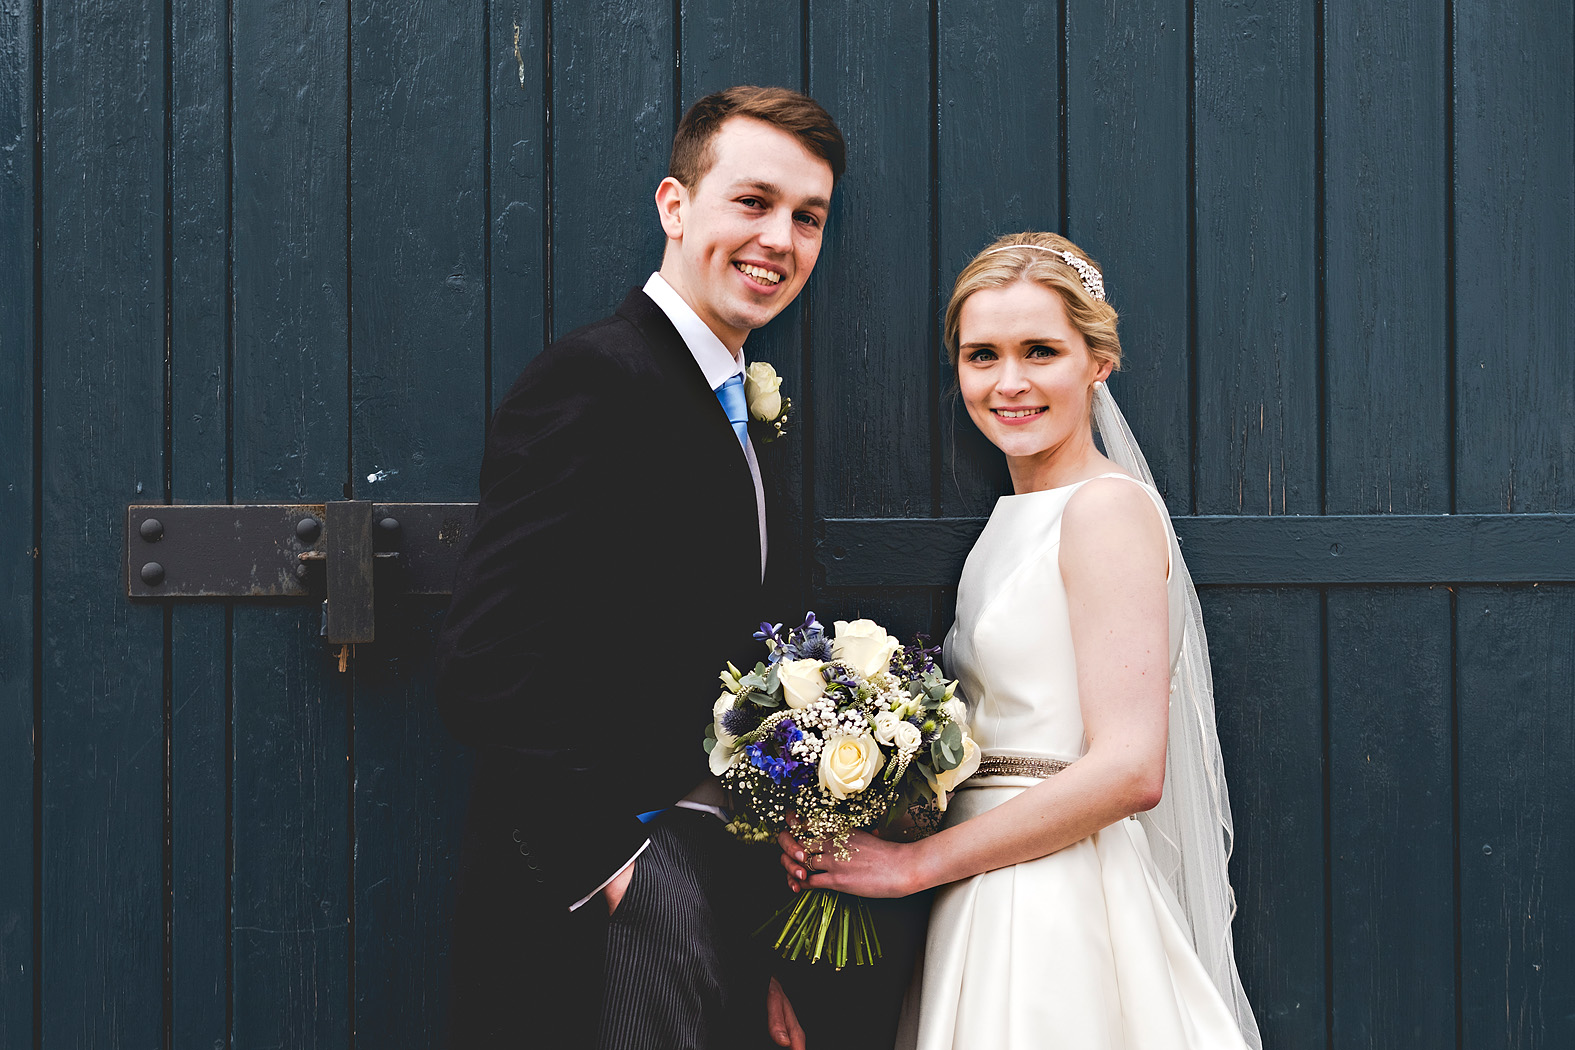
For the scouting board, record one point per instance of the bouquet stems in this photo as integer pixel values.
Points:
(826, 924)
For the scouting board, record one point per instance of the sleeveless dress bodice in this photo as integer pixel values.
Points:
(1011, 645)
(1080, 948)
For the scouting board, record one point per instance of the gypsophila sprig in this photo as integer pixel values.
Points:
(839, 732)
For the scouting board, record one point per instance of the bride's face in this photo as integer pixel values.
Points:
(1025, 372)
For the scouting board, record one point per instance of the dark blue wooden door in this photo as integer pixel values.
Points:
(261, 252)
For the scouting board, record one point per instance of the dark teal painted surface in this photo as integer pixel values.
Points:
(263, 255)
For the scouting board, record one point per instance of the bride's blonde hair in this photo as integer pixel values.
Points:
(1037, 259)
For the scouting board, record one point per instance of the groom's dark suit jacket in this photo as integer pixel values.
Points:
(613, 567)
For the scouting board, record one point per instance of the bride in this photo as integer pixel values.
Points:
(1062, 919)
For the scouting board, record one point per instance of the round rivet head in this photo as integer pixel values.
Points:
(389, 525)
(308, 529)
(153, 574)
(151, 529)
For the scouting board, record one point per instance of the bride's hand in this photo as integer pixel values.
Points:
(873, 868)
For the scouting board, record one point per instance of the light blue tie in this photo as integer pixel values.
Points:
(731, 394)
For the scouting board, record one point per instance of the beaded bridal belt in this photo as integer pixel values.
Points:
(1019, 766)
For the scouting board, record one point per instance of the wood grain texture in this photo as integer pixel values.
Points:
(103, 326)
(1516, 674)
(722, 43)
(1387, 348)
(518, 191)
(1514, 227)
(1128, 204)
(1257, 287)
(1387, 452)
(290, 771)
(874, 338)
(418, 304)
(18, 502)
(1244, 549)
(1265, 645)
(199, 373)
(612, 71)
(291, 849)
(998, 172)
(1391, 815)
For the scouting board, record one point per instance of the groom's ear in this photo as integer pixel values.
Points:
(671, 196)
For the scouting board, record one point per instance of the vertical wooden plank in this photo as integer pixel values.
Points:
(103, 660)
(1514, 282)
(18, 502)
(1385, 221)
(199, 921)
(418, 308)
(611, 139)
(290, 783)
(1265, 645)
(1514, 278)
(874, 337)
(517, 191)
(1516, 667)
(1391, 739)
(1256, 184)
(1386, 379)
(722, 43)
(1256, 412)
(1127, 205)
(998, 171)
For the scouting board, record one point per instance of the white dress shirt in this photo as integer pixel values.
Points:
(719, 365)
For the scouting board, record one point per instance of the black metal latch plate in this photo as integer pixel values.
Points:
(282, 550)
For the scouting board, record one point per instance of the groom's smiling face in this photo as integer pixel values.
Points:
(742, 241)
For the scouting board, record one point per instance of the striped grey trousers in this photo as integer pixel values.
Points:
(679, 972)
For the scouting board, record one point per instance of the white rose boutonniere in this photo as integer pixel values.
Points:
(763, 392)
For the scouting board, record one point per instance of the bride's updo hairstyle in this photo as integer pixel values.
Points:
(1036, 257)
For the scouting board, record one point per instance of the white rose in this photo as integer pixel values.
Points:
(886, 723)
(863, 646)
(723, 705)
(725, 752)
(906, 737)
(762, 389)
(955, 710)
(724, 756)
(849, 764)
(945, 783)
(949, 780)
(802, 682)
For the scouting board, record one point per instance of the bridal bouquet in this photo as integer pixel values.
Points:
(844, 732)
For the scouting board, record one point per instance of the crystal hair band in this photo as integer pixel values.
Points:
(1093, 283)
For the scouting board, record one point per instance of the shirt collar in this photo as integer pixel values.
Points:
(714, 359)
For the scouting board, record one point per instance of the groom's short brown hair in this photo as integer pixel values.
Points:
(795, 113)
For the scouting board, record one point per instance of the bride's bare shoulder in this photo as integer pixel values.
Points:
(1113, 515)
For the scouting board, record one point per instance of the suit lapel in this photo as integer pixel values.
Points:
(718, 454)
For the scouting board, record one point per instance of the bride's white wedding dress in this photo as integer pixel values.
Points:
(1081, 948)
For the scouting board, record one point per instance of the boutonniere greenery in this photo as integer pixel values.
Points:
(767, 405)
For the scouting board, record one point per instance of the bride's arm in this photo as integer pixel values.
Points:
(1113, 557)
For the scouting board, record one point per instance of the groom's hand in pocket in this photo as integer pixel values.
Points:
(615, 889)
(781, 1021)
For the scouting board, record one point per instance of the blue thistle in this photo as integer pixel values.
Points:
(740, 720)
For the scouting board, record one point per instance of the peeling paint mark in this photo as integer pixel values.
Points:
(519, 58)
(380, 475)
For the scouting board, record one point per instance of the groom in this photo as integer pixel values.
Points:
(619, 556)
